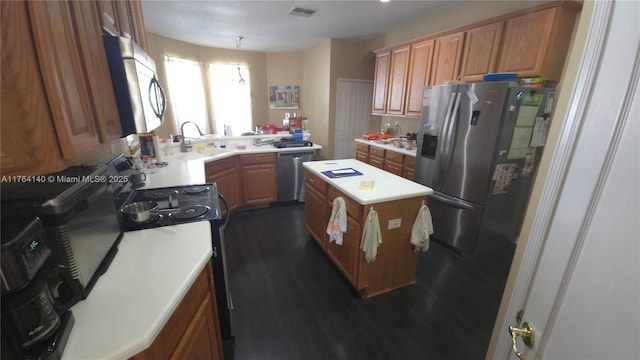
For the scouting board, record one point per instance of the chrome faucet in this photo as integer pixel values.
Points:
(184, 147)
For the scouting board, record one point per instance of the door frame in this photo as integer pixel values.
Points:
(572, 122)
(341, 81)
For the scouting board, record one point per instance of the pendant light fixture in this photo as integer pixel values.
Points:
(238, 44)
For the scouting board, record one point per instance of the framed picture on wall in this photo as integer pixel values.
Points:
(284, 97)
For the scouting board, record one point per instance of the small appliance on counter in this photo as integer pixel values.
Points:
(291, 142)
(77, 209)
(36, 298)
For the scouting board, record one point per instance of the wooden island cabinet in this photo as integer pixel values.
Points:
(396, 201)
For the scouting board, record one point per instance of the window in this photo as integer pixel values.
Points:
(231, 97)
(186, 94)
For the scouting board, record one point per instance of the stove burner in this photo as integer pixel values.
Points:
(158, 194)
(190, 212)
(196, 190)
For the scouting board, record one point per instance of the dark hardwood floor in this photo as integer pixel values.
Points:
(290, 302)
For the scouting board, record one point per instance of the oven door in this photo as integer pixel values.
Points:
(220, 278)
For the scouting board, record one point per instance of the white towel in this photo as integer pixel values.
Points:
(371, 236)
(422, 228)
(337, 221)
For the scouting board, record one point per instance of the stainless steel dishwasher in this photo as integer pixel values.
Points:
(291, 173)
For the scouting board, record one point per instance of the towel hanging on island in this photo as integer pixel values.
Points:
(337, 221)
(422, 228)
(371, 236)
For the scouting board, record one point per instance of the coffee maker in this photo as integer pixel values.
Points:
(36, 297)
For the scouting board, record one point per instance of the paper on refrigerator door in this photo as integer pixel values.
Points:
(539, 132)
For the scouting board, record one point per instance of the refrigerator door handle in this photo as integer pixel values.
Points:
(445, 135)
(451, 134)
(452, 202)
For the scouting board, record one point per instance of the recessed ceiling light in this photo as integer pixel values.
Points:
(300, 11)
(385, 1)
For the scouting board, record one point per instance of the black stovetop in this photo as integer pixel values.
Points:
(178, 205)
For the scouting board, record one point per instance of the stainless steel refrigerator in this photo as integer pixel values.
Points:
(478, 147)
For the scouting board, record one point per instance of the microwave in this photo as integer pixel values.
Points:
(139, 96)
(78, 213)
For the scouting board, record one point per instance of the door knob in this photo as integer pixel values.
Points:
(526, 332)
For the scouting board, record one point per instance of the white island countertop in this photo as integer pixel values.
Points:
(132, 301)
(387, 186)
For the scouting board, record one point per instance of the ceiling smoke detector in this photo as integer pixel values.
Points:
(299, 11)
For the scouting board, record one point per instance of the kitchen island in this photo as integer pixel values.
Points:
(396, 201)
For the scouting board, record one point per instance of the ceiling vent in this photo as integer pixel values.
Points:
(299, 11)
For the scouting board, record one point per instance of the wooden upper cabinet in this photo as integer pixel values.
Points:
(536, 44)
(419, 75)
(123, 18)
(447, 58)
(481, 51)
(28, 145)
(381, 78)
(96, 70)
(139, 33)
(108, 17)
(64, 80)
(397, 80)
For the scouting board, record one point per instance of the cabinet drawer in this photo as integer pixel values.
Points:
(362, 147)
(376, 161)
(410, 161)
(392, 167)
(316, 182)
(376, 151)
(362, 156)
(353, 208)
(213, 167)
(263, 158)
(393, 157)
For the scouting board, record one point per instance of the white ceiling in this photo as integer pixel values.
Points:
(267, 27)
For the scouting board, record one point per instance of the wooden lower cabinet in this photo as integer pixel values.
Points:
(376, 157)
(408, 170)
(362, 152)
(226, 175)
(192, 331)
(390, 161)
(393, 162)
(259, 181)
(395, 263)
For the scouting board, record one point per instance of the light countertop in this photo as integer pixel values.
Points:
(387, 186)
(379, 144)
(132, 301)
(188, 168)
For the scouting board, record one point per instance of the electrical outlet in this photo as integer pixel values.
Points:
(394, 224)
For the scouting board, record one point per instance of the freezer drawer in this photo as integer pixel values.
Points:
(456, 223)
(291, 173)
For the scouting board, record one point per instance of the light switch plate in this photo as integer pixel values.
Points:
(394, 223)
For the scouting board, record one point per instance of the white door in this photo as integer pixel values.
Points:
(353, 115)
(579, 283)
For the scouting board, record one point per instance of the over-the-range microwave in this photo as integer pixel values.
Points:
(140, 98)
